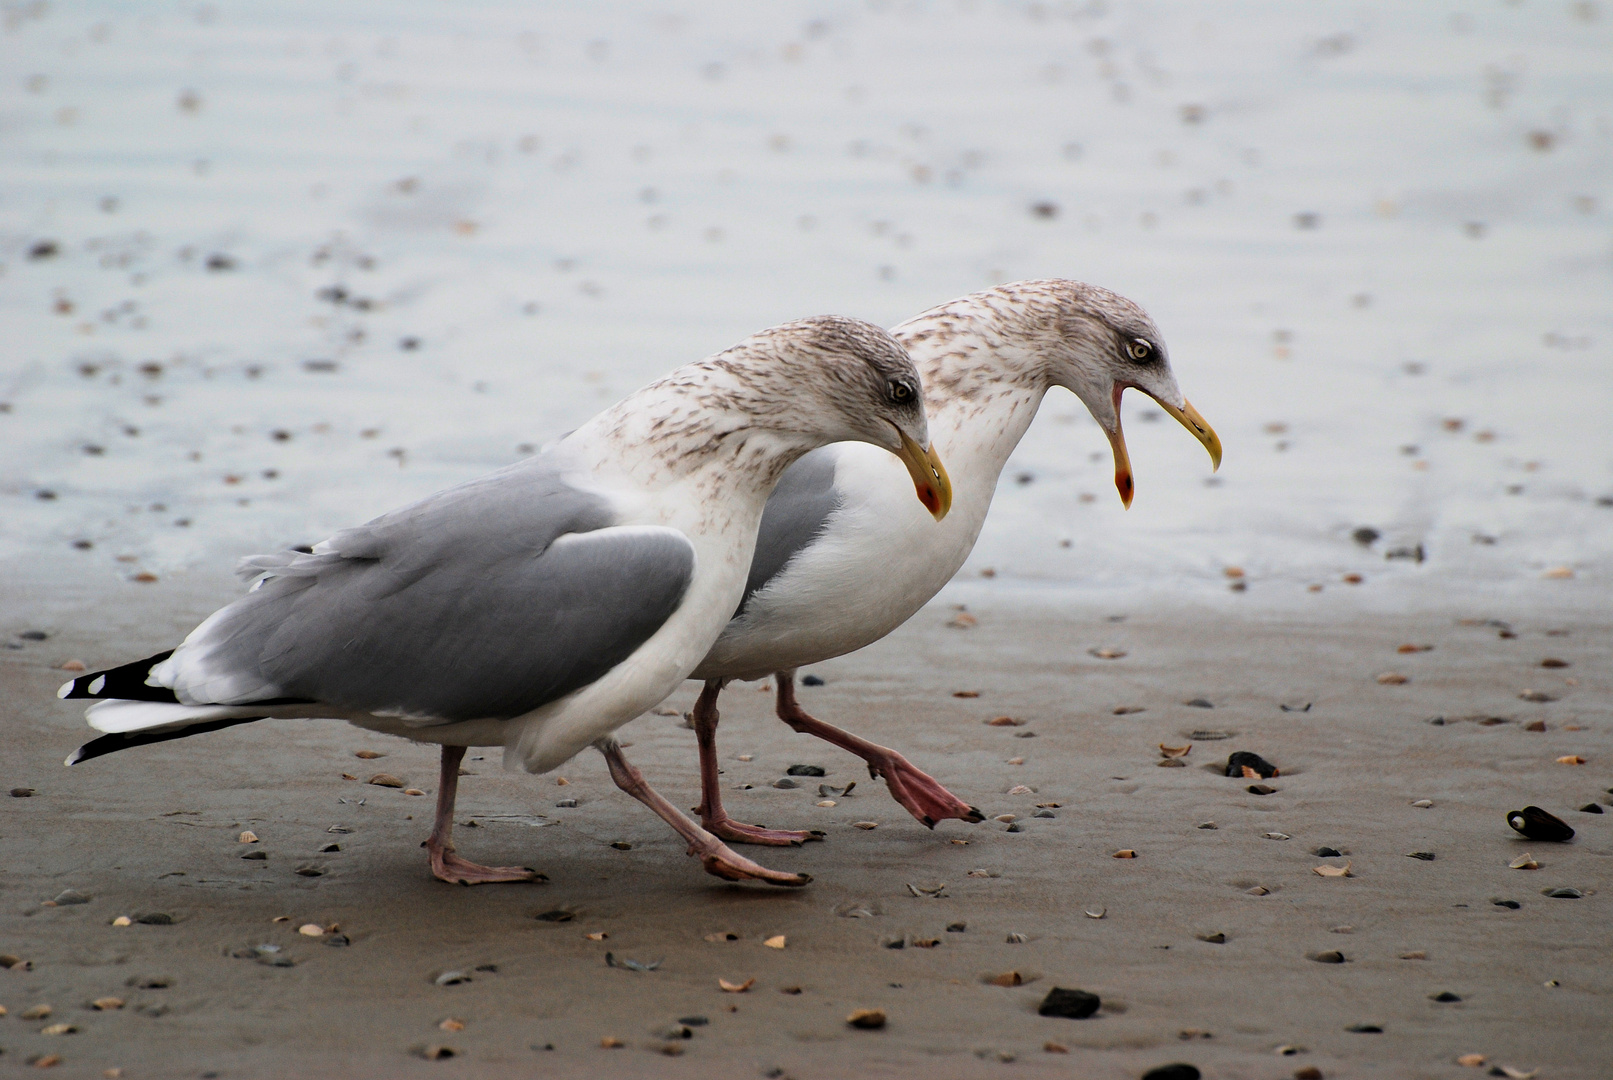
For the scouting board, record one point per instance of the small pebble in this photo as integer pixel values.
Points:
(1365, 1029)
(256, 856)
(811, 680)
(1329, 956)
(566, 804)
(155, 918)
(1512, 905)
(1564, 894)
(1125, 853)
(1260, 789)
(1069, 1004)
(1327, 853)
(123, 920)
(1175, 1071)
(1591, 808)
(1216, 938)
(785, 783)
(1423, 804)
(1199, 703)
(865, 824)
(37, 1012)
(1444, 997)
(23, 792)
(311, 930)
(805, 770)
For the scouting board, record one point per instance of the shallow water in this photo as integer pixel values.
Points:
(1378, 239)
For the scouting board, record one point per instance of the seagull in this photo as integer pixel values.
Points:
(542, 606)
(839, 564)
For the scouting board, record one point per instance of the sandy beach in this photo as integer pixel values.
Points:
(269, 270)
(156, 830)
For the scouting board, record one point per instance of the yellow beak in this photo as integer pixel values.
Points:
(1187, 416)
(929, 476)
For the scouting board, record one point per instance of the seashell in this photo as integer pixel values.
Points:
(382, 779)
(867, 1019)
(736, 988)
(777, 941)
(248, 837)
(106, 1004)
(1392, 678)
(1243, 759)
(1125, 853)
(1332, 871)
(1537, 824)
(1175, 751)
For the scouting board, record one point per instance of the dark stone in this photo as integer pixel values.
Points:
(694, 1021)
(338, 941)
(1199, 703)
(310, 871)
(895, 943)
(557, 915)
(811, 680)
(1260, 789)
(329, 848)
(785, 782)
(1588, 808)
(1564, 894)
(1217, 938)
(805, 770)
(1444, 997)
(1327, 853)
(1237, 762)
(1072, 1004)
(1510, 904)
(1537, 824)
(1425, 856)
(1176, 1071)
(219, 262)
(33, 635)
(1366, 1029)
(489, 968)
(44, 249)
(23, 792)
(255, 856)
(957, 927)
(155, 918)
(621, 845)
(1366, 536)
(1331, 956)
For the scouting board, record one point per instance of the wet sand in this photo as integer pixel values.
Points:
(155, 830)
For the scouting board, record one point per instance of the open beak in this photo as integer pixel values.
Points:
(1187, 416)
(929, 476)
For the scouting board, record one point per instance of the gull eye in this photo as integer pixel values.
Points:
(1139, 350)
(901, 392)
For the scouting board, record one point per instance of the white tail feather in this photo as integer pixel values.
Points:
(119, 717)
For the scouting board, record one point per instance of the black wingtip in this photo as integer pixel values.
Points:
(111, 744)
(127, 683)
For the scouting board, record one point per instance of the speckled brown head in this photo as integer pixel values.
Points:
(1056, 332)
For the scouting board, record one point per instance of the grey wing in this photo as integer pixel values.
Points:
(488, 600)
(795, 515)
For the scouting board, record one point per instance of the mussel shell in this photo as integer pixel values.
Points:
(1537, 824)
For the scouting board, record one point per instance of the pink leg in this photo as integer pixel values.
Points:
(445, 865)
(712, 814)
(716, 856)
(915, 789)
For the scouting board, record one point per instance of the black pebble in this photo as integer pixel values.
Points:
(805, 770)
(1199, 703)
(1425, 856)
(1073, 1004)
(1444, 996)
(309, 871)
(23, 792)
(330, 847)
(489, 968)
(786, 783)
(557, 915)
(894, 943)
(156, 918)
(1365, 535)
(44, 249)
(1590, 808)
(337, 941)
(957, 927)
(1331, 956)
(1260, 789)
(1564, 894)
(1365, 1029)
(693, 1021)
(1327, 853)
(621, 845)
(1537, 824)
(33, 635)
(1177, 1071)
(811, 680)
(1237, 761)
(1512, 904)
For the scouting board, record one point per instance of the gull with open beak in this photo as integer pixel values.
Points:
(841, 561)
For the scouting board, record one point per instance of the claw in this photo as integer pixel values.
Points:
(975, 817)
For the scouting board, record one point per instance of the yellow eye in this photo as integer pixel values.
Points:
(901, 392)
(1139, 349)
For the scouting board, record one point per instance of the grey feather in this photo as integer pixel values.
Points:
(795, 516)
(466, 605)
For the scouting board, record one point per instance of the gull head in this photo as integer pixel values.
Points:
(838, 379)
(1098, 345)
